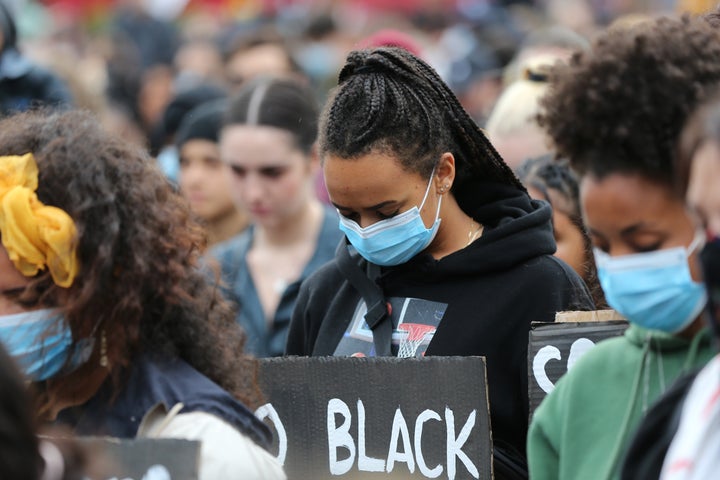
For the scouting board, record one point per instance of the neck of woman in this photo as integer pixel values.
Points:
(226, 226)
(457, 230)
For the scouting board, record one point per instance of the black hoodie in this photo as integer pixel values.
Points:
(483, 296)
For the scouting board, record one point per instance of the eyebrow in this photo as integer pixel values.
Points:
(625, 231)
(373, 207)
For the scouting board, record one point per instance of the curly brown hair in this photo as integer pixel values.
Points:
(138, 247)
(620, 106)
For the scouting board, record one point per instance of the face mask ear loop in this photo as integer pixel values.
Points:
(697, 241)
(427, 190)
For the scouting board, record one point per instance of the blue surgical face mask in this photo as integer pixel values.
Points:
(653, 290)
(395, 240)
(41, 343)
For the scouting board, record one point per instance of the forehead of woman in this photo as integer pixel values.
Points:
(623, 202)
(281, 103)
(369, 179)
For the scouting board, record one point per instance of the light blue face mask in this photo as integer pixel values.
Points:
(653, 290)
(41, 343)
(395, 240)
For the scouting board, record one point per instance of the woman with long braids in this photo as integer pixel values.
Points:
(103, 304)
(445, 252)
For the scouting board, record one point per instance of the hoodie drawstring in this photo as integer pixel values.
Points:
(629, 411)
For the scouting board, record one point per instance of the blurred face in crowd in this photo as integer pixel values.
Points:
(203, 180)
(271, 177)
(628, 213)
(568, 236)
(11, 283)
(703, 194)
(265, 59)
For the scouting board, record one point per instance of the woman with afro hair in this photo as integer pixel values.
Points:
(104, 305)
(616, 112)
(445, 253)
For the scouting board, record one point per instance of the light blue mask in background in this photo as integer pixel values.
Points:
(653, 290)
(41, 343)
(394, 240)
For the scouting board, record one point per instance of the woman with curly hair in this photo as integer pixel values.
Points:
(445, 253)
(616, 113)
(103, 304)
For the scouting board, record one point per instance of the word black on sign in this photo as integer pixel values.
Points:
(381, 417)
(143, 458)
(555, 347)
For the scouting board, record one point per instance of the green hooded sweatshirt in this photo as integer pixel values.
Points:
(581, 429)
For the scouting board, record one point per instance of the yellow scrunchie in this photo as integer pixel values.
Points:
(35, 236)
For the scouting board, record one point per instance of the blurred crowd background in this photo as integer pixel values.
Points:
(129, 60)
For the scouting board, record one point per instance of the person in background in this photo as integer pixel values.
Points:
(680, 437)
(609, 114)
(439, 228)
(512, 125)
(203, 176)
(268, 142)
(23, 84)
(262, 53)
(553, 181)
(164, 132)
(104, 304)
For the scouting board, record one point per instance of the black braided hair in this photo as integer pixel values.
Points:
(546, 173)
(389, 101)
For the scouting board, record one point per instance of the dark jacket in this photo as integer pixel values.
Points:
(266, 339)
(154, 380)
(24, 85)
(481, 298)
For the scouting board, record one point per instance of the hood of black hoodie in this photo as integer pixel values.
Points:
(516, 229)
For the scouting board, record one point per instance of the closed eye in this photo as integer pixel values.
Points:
(385, 217)
(350, 216)
(647, 248)
(237, 170)
(272, 172)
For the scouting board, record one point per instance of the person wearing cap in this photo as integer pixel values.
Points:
(203, 178)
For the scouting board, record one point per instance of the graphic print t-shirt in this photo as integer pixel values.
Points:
(414, 323)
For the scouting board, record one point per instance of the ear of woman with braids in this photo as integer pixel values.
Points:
(434, 217)
(103, 304)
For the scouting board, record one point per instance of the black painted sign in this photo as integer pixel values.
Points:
(554, 348)
(351, 418)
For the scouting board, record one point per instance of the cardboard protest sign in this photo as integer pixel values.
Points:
(554, 348)
(381, 417)
(142, 458)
